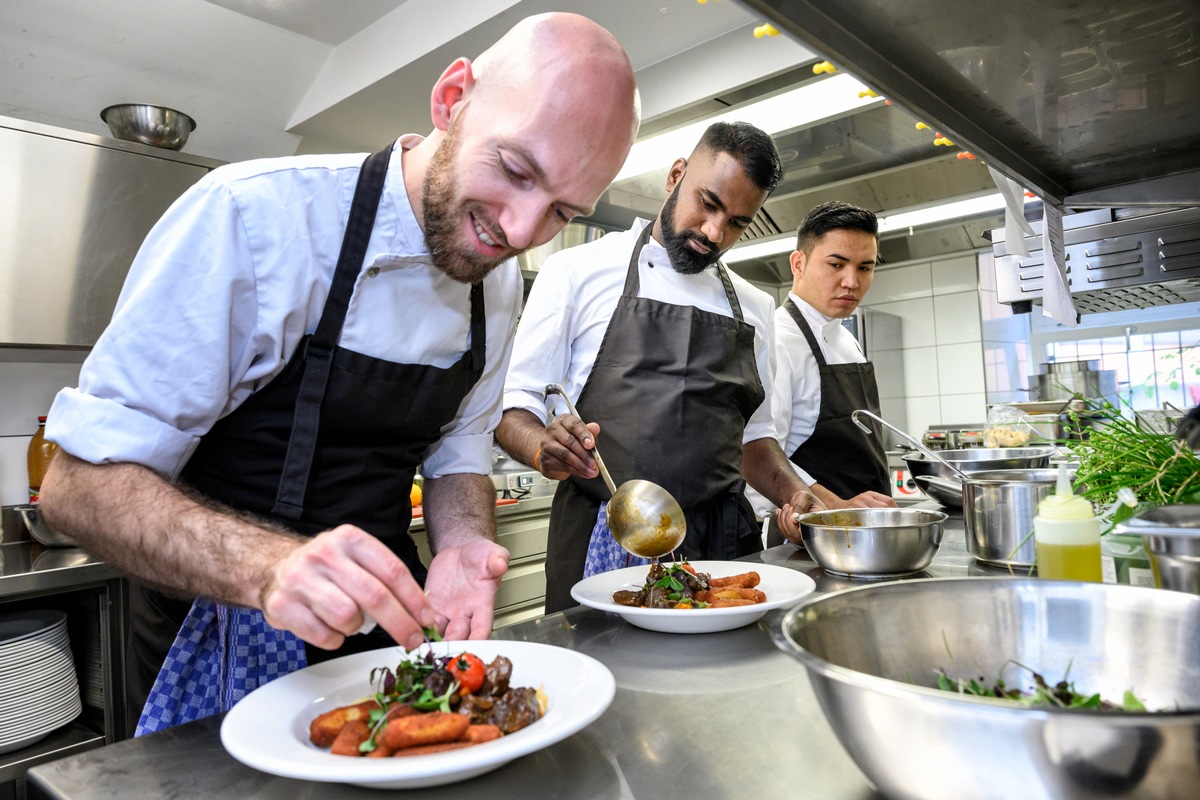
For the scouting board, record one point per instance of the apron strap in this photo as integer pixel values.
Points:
(806, 329)
(318, 349)
(633, 283)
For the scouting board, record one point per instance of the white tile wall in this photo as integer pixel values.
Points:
(28, 382)
(942, 378)
(956, 318)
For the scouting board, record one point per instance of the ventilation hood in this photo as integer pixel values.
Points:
(1115, 260)
(1088, 104)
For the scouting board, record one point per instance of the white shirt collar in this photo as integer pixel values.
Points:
(822, 322)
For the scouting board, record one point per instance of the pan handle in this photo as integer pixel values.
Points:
(925, 451)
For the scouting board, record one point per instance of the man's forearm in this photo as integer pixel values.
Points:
(767, 469)
(458, 509)
(129, 516)
(520, 434)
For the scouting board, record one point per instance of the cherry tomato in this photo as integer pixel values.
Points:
(469, 670)
(689, 568)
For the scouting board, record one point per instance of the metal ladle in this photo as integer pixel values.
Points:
(925, 451)
(644, 518)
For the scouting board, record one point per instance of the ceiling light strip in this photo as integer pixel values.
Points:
(807, 105)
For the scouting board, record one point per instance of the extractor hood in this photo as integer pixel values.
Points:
(1088, 104)
(1115, 260)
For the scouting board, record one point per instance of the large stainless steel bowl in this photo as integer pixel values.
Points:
(156, 126)
(969, 459)
(872, 543)
(871, 653)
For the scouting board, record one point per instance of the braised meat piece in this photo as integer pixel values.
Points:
(516, 709)
(496, 678)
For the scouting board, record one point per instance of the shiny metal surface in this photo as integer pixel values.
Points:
(40, 530)
(645, 746)
(1117, 259)
(1092, 103)
(946, 491)
(76, 209)
(978, 458)
(644, 518)
(998, 511)
(872, 543)
(157, 126)
(914, 441)
(1171, 535)
(871, 654)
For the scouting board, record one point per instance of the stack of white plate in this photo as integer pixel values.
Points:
(38, 688)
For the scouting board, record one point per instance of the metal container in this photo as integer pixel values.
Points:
(973, 459)
(998, 510)
(41, 532)
(1065, 380)
(871, 653)
(1171, 535)
(157, 126)
(870, 543)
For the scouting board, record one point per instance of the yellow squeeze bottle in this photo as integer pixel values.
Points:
(1066, 532)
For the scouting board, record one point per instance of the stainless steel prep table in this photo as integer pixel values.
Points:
(713, 715)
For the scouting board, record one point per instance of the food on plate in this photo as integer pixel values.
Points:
(679, 585)
(1041, 694)
(430, 704)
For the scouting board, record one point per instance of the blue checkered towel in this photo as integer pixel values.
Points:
(603, 553)
(221, 654)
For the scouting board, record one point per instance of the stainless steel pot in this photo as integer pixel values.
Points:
(1171, 535)
(998, 511)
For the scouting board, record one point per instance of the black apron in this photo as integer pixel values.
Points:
(838, 455)
(672, 388)
(334, 438)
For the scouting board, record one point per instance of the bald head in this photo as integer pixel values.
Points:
(526, 137)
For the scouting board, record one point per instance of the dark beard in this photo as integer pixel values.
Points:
(442, 218)
(684, 259)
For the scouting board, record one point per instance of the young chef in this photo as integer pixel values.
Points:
(821, 375)
(666, 354)
(295, 338)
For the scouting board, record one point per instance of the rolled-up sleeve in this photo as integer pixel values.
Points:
(542, 351)
(178, 351)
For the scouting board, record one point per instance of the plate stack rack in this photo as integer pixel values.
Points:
(39, 691)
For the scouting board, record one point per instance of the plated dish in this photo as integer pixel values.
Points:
(269, 729)
(782, 587)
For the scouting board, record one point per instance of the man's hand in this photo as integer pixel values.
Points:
(864, 500)
(462, 588)
(566, 449)
(785, 517)
(326, 588)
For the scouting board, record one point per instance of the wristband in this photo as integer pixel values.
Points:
(536, 456)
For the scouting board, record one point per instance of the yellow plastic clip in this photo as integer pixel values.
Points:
(868, 93)
(823, 67)
(921, 126)
(765, 30)
(942, 140)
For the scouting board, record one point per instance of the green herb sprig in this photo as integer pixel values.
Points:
(1123, 453)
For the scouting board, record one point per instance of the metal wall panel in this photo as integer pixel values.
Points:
(74, 209)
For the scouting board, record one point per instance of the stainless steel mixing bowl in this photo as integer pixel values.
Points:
(872, 542)
(157, 126)
(871, 653)
(973, 458)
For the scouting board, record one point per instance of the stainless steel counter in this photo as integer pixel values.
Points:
(713, 716)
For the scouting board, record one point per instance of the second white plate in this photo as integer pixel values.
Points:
(781, 585)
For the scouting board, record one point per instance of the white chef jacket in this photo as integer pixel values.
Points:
(230, 280)
(575, 295)
(796, 393)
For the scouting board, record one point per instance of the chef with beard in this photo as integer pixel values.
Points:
(668, 356)
(296, 337)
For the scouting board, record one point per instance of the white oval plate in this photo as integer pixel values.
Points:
(781, 585)
(268, 729)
